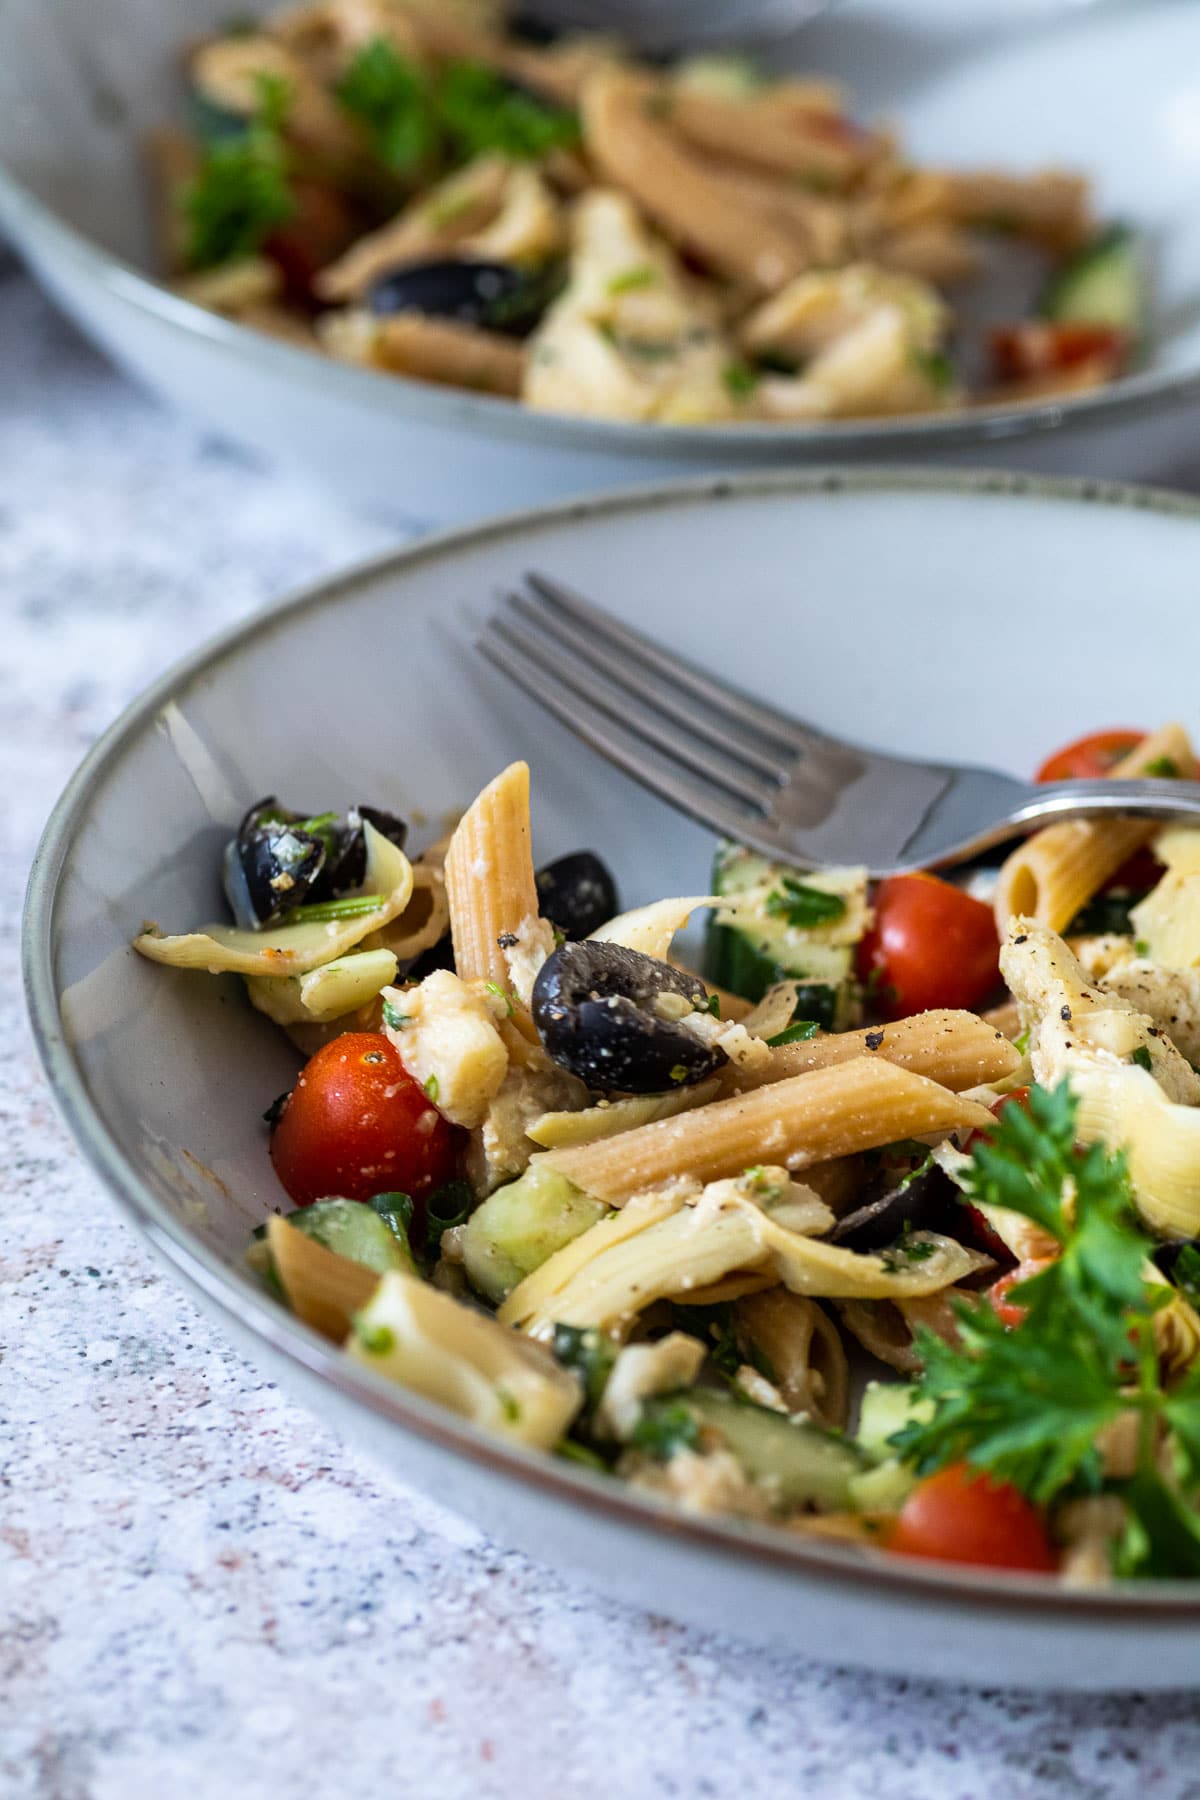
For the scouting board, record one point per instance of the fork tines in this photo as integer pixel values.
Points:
(713, 751)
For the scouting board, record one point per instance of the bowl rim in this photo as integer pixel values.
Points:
(805, 1560)
(31, 222)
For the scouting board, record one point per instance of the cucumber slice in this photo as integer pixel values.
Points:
(520, 1226)
(352, 1228)
(797, 1463)
(761, 949)
(1102, 285)
(887, 1406)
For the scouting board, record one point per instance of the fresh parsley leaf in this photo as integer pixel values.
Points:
(1029, 1404)
(1162, 765)
(629, 280)
(239, 196)
(480, 111)
(1141, 1056)
(802, 905)
(393, 1018)
(394, 102)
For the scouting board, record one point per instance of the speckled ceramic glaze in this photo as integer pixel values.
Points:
(925, 614)
(1112, 89)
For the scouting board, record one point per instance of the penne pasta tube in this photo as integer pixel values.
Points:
(322, 1288)
(1057, 870)
(810, 1118)
(443, 351)
(779, 137)
(955, 1049)
(490, 885)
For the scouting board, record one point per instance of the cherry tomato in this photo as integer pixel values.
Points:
(1139, 874)
(1018, 1096)
(1039, 347)
(1096, 754)
(931, 945)
(1009, 1312)
(960, 1515)
(357, 1124)
(318, 231)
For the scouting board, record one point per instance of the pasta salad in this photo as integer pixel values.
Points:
(418, 187)
(660, 1223)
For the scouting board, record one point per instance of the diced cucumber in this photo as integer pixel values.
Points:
(751, 956)
(356, 1230)
(1102, 285)
(887, 1406)
(884, 1488)
(797, 1463)
(520, 1226)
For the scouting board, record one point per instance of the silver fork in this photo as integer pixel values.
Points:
(763, 778)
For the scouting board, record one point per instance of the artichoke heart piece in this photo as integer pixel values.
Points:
(466, 1361)
(292, 949)
(329, 992)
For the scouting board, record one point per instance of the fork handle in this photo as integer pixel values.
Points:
(1165, 798)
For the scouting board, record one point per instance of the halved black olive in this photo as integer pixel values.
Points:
(577, 894)
(346, 862)
(270, 866)
(494, 296)
(595, 1008)
(930, 1201)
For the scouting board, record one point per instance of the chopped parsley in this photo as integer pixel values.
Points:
(510, 1406)
(493, 987)
(1141, 1056)
(480, 111)
(393, 1018)
(905, 1251)
(1029, 1404)
(936, 367)
(713, 1005)
(376, 1340)
(740, 380)
(680, 1072)
(587, 1353)
(629, 280)
(393, 100)
(432, 1088)
(802, 905)
(241, 191)
(799, 1033)
(1165, 766)
(665, 1427)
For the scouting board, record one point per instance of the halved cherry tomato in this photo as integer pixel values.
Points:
(1096, 754)
(357, 1124)
(318, 231)
(1039, 347)
(931, 945)
(1008, 1311)
(1018, 1096)
(960, 1515)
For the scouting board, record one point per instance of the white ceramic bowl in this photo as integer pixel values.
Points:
(1114, 90)
(928, 614)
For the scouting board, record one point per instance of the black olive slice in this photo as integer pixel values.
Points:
(346, 863)
(493, 296)
(271, 865)
(577, 894)
(598, 1010)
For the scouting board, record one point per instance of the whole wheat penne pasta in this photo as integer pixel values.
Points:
(953, 1048)
(640, 153)
(490, 885)
(808, 1119)
(323, 1289)
(1057, 870)
(768, 134)
(171, 162)
(1051, 206)
(454, 355)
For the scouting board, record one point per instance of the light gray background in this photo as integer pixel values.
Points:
(201, 1593)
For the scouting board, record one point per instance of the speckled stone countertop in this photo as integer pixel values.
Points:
(202, 1593)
